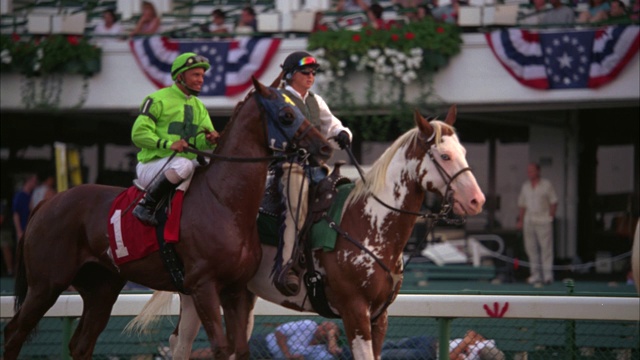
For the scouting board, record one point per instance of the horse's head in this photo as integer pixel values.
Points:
(287, 128)
(449, 173)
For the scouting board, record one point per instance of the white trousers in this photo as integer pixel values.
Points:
(182, 166)
(538, 243)
(295, 191)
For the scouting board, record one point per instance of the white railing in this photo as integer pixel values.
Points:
(437, 306)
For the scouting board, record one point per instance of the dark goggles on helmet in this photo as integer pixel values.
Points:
(198, 59)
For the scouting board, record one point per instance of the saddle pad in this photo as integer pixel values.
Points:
(129, 239)
(322, 236)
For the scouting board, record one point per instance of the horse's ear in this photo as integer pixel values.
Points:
(422, 123)
(451, 115)
(276, 83)
(259, 87)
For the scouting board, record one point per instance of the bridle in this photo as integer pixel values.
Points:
(288, 149)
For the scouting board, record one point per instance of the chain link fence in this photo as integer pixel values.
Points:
(408, 338)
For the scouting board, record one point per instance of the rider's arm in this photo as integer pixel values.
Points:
(144, 131)
(330, 124)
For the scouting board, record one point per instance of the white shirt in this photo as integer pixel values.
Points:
(115, 30)
(537, 201)
(330, 125)
(474, 350)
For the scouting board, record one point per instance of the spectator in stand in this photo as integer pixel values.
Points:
(318, 24)
(20, 215)
(559, 14)
(635, 11)
(618, 13)
(534, 17)
(598, 10)
(446, 13)
(305, 339)
(149, 22)
(423, 12)
(109, 29)
(352, 5)
(218, 24)
(374, 13)
(247, 20)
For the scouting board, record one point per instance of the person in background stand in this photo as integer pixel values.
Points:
(538, 203)
(149, 22)
(304, 339)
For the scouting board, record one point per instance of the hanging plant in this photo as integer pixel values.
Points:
(395, 58)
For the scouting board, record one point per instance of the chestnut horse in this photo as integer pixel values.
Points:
(363, 274)
(66, 241)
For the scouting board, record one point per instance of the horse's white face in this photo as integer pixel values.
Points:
(450, 155)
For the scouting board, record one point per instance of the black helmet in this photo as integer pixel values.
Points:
(297, 61)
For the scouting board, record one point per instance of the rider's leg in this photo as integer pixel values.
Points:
(295, 191)
(175, 172)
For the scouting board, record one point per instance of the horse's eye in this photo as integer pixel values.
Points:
(445, 157)
(287, 116)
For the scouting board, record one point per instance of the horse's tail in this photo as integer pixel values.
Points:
(20, 286)
(151, 312)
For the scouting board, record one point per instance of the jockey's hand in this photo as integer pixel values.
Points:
(343, 140)
(212, 136)
(179, 145)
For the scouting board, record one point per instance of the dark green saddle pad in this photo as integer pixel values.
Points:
(322, 236)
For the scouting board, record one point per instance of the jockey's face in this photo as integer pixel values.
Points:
(192, 79)
(303, 80)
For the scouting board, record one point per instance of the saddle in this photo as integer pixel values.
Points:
(320, 198)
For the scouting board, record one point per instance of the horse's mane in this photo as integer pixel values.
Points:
(374, 179)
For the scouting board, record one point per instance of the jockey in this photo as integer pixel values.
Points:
(169, 120)
(299, 70)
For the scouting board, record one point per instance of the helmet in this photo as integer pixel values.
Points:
(298, 60)
(186, 62)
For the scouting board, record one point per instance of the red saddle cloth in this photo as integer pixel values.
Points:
(130, 239)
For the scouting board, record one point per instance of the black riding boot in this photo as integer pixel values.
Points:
(146, 208)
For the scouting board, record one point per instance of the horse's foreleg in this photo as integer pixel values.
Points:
(357, 326)
(207, 303)
(378, 333)
(189, 323)
(237, 306)
(99, 291)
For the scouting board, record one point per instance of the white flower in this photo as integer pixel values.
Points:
(354, 58)
(342, 64)
(40, 53)
(415, 52)
(373, 53)
(5, 55)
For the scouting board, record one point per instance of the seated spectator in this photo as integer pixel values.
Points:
(598, 10)
(635, 11)
(304, 339)
(559, 14)
(446, 13)
(534, 17)
(374, 13)
(318, 24)
(109, 29)
(149, 22)
(247, 21)
(45, 190)
(423, 12)
(352, 5)
(472, 347)
(218, 24)
(618, 13)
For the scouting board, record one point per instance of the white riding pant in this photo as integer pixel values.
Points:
(538, 243)
(295, 191)
(183, 167)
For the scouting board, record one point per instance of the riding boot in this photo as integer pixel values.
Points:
(146, 209)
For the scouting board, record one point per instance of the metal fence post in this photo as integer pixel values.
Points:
(570, 328)
(67, 324)
(444, 334)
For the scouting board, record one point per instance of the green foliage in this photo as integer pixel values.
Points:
(49, 55)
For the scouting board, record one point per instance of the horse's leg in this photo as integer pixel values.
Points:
(357, 326)
(237, 306)
(37, 301)
(186, 331)
(207, 303)
(378, 332)
(99, 290)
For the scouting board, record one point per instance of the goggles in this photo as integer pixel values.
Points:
(193, 60)
(307, 60)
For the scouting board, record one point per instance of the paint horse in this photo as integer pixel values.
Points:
(66, 241)
(363, 274)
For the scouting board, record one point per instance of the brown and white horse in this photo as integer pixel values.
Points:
(363, 274)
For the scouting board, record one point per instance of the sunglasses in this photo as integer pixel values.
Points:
(308, 72)
(198, 59)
